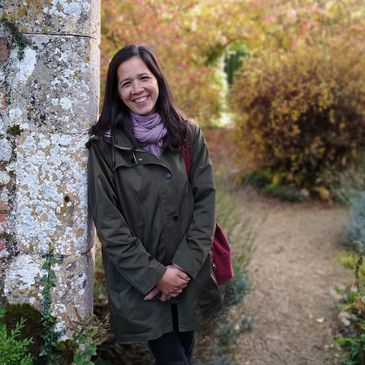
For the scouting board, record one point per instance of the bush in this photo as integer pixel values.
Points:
(301, 113)
(356, 223)
(270, 184)
(13, 350)
(31, 326)
(25, 321)
(351, 336)
(351, 182)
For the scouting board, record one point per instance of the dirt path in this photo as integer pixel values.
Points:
(292, 271)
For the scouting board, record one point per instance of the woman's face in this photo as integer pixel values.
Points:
(137, 86)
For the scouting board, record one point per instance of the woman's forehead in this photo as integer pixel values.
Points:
(133, 67)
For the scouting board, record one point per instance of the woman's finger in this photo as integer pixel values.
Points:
(151, 294)
(165, 297)
(182, 275)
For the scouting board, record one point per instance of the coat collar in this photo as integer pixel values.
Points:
(119, 140)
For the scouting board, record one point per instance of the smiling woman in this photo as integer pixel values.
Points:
(155, 223)
(137, 86)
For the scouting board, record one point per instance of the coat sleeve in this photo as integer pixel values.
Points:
(194, 248)
(124, 250)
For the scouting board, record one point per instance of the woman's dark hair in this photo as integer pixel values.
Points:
(115, 114)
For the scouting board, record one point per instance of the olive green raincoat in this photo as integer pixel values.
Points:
(148, 215)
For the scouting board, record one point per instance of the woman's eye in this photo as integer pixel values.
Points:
(125, 84)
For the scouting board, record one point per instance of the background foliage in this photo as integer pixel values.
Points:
(304, 112)
(189, 37)
(299, 96)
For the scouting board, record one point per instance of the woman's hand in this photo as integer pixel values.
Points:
(171, 284)
(173, 281)
(151, 295)
(163, 297)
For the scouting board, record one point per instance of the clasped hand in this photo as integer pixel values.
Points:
(170, 285)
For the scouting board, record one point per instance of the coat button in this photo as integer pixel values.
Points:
(175, 217)
(168, 176)
(140, 160)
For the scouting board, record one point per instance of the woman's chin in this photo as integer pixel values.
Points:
(144, 111)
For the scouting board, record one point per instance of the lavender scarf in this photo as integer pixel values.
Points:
(149, 130)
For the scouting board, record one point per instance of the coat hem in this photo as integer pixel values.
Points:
(144, 338)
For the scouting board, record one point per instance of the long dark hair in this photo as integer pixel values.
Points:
(115, 114)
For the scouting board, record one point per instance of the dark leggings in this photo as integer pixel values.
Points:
(173, 348)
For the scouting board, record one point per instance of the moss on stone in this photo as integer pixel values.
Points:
(14, 130)
(18, 38)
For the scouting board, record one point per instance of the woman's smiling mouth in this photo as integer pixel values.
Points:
(140, 100)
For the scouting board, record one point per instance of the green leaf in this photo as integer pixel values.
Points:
(53, 261)
(44, 278)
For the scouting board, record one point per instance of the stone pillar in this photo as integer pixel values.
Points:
(49, 88)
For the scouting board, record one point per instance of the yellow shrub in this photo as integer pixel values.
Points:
(301, 113)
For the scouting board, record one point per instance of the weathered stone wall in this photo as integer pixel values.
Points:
(49, 77)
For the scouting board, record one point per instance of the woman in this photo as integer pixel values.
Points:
(155, 223)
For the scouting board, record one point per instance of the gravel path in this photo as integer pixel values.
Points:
(292, 270)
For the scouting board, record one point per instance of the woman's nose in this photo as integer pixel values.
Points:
(136, 87)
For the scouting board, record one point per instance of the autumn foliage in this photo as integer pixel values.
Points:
(302, 113)
(189, 38)
(299, 96)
